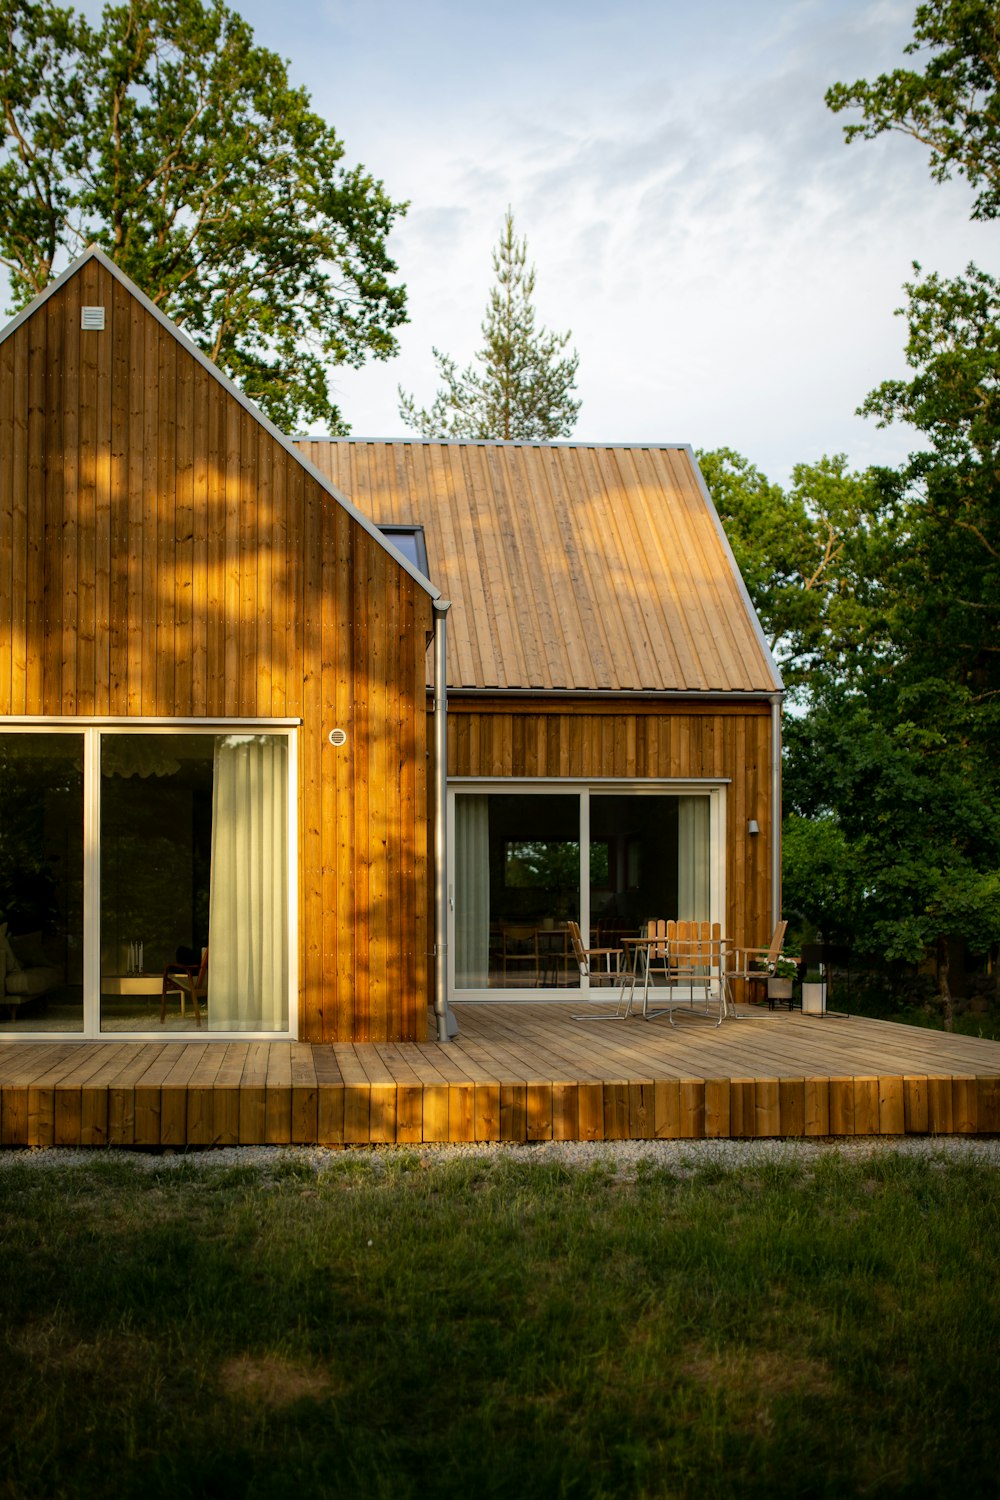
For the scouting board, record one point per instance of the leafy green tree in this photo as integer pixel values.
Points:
(523, 388)
(895, 768)
(944, 547)
(894, 829)
(894, 773)
(952, 107)
(804, 557)
(819, 878)
(942, 561)
(167, 137)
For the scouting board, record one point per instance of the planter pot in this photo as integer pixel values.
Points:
(780, 989)
(814, 999)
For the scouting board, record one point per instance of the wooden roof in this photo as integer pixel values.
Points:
(570, 567)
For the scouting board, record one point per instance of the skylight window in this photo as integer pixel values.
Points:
(410, 541)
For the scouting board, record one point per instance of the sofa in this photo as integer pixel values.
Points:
(26, 972)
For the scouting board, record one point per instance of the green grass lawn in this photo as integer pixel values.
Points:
(488, 1327)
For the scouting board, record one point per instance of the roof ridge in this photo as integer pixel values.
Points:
(421, 442)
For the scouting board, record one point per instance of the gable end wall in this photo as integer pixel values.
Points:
(162, 555)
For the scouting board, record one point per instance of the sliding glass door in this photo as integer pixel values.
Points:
(160, 866)
(41, 881)
(526, 860)
(517, 883)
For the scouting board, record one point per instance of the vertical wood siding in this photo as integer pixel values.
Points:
(493, 738)
(162, 555)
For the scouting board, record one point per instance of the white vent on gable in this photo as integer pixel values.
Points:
(93, 318)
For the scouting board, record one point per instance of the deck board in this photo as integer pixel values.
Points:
(515, 1072)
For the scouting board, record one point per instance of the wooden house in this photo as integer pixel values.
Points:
(241, 752)
(613, 707)
(213, 728)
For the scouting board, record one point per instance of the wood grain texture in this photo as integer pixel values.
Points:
(515, 1073)
(585, 568)
(162, 554)
(572, 566)
(494, 737)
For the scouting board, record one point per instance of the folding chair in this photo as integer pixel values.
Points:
(652, 953)
(612, 972)
(756, 965)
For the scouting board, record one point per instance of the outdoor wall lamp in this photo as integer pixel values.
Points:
(753, 826)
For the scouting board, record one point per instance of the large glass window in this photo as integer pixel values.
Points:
(517, 882)
(658, 860)
(41, 882)
(150, 870)
(526, 862)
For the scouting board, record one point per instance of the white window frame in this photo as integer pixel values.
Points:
(715, 788)
(91, 730)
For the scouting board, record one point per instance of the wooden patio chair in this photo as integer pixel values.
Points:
(187, 980)
(609, 972)
(519, 948)
(754, 966)
(695, 962)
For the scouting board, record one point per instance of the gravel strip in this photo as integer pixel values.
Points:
(683, 1158)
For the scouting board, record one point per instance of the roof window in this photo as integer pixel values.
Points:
(410, 541)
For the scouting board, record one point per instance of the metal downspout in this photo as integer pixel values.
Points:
(441, 1010)
(775, 810)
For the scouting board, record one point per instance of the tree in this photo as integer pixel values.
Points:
(945, 546)
(523, 388)
(804, 556)
(893, 827)
(894, 775)
(167, 137)
(952, 107)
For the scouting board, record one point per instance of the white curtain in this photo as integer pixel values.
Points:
(472, 892)
(693, 859)
(248, 901)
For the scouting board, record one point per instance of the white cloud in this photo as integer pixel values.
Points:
(728, 267)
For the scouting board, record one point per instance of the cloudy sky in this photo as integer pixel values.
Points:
(728, 266)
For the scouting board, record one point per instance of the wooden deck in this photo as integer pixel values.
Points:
(516, 1073)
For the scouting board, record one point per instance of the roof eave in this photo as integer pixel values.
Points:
(744, 593)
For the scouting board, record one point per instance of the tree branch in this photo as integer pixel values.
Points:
(968, 526)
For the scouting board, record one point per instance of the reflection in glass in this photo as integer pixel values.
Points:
(659, 860)
(41, 882)
(517, 882)
(518, 869)
(156, 828)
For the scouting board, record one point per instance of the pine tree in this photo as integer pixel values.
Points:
(523, 386)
